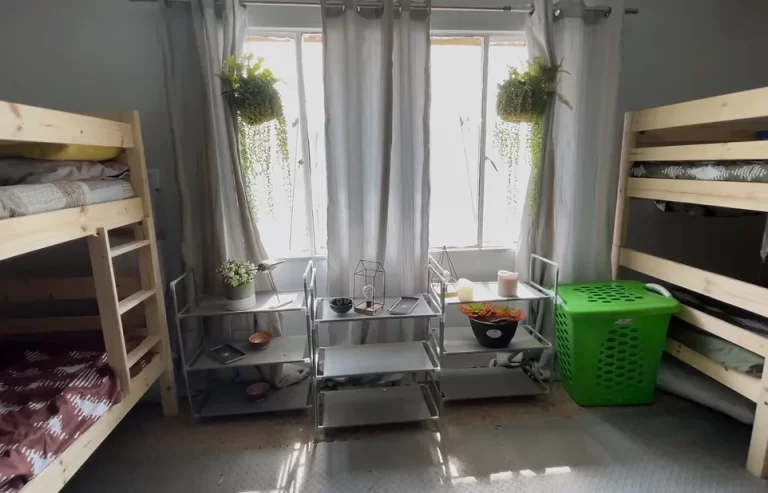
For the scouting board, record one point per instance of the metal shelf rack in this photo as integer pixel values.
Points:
(227, 399)
(455, 344)
(358, 406)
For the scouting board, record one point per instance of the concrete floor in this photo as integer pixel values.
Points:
(527, 445)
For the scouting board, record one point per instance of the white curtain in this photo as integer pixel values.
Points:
(216, 222)
(377, 149)
(572, 222)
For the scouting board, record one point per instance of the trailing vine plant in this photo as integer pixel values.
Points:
(522, 99)
(261, 125)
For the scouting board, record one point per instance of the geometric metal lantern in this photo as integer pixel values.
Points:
(449, 273)
(371, 280)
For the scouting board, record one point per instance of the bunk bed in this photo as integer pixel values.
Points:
(719, 134)
(133, 365)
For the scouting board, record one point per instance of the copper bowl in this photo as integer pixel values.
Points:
(260, 340)
(258, 390)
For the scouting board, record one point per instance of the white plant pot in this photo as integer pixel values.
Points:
(241, 297)
(241, 304)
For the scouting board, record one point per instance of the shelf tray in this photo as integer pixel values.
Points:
(326, 315)
(211, 307)
(486, 383)
(227, 399)
(371, 406)
(370, 359)
(487, 292)
(461, 340)
(284, 349)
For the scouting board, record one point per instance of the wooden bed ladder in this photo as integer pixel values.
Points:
(111, 308)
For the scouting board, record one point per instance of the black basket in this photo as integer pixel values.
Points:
(491, 335)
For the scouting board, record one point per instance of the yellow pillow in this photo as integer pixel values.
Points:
(60, 152)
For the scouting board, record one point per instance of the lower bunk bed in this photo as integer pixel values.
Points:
(58, 402)
(709, 369)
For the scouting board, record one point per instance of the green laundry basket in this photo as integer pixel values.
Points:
(610, 337)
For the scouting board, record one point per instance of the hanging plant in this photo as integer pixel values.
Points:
(523, 98)
(261, 125)
(253, 94)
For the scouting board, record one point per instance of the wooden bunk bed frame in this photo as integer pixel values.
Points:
(20, 123)
(718, 128)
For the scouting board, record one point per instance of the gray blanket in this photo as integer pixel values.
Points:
(23, 200)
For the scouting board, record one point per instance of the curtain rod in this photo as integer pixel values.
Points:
(558, 12)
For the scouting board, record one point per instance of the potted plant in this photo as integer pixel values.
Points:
(523, 96)
(252, 90)
(493, 326)
(237, 276)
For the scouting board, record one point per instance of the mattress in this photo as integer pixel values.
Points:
(49, 396)
(682, 380)
(24, 200)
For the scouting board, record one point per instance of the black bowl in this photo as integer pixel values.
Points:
(341, 305)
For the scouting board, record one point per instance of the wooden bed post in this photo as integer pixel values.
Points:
(149, 263)
(757, 460)
(622, 209)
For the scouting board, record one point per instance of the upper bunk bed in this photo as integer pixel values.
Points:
(719, 159)
(135, 363)
(21, 123)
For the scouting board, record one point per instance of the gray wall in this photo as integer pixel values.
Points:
(681, 50)
(84, 55)
(91, 55)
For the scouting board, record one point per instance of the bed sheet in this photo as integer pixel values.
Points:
(49, 395)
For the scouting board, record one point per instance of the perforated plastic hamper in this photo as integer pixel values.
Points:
(610, 337)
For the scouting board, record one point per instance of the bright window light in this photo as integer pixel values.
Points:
(456, 124)
(288, 199)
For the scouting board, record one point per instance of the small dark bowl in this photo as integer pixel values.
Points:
(258, 391)
(341, 305)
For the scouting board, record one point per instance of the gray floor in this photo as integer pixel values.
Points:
(509, 446)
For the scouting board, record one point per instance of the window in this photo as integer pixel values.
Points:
(475, 202)
(288, 196)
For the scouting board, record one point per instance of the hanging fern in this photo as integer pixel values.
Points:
(522, 99)
(261, 126)
(260, 146)
(535, 145)
(507, 137)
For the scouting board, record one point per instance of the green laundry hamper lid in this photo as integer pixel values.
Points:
(614, 296)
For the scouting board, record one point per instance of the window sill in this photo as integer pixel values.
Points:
(432, 251)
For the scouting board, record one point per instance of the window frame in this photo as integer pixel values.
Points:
(306, 162)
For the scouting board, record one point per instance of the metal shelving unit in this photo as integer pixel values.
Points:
(454, 344)
(429, 363)
(357, 406)
(226, 399)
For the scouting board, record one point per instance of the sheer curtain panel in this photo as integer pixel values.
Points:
(377, 149)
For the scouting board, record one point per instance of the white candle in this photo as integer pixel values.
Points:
(508, 284)
(466, 290)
